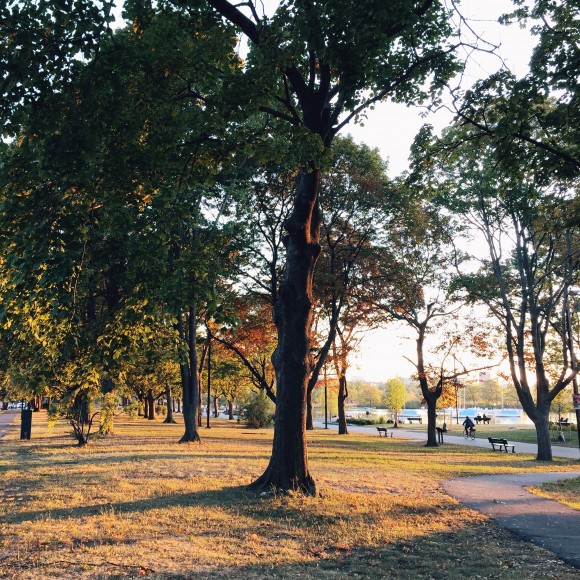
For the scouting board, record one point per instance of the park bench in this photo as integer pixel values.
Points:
(411, 419)
(502, 444)
(382, 430)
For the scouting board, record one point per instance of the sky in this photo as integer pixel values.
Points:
(391, 128)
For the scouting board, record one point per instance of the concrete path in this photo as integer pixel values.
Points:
(6, 419)
(544, 522)
(448, 438)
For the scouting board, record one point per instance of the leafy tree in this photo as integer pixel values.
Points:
(317, 78)
(230, 379)
(491, 393)
(351, 202)
(108, 189)
(395, 396)
(563, 403)
(365, 394)
(412, 286)
(252, 340)
(351, 196)
(538, 115)
(532, 259)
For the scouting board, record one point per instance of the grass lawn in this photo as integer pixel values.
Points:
(566, 491)
(137, 503)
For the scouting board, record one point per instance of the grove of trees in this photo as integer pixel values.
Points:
(174, 186)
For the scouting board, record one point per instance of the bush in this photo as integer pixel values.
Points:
(108, 406)
(258, 411)
(161, 410)
(363, 421)
(77, 408)
(132, 409)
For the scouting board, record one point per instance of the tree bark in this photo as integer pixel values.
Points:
(169, 399)
(539, 413)
(189, 376)
(431, 421)
(230, 410)
(542, 424)
(150, 406)
(288, 467)
(430, 395)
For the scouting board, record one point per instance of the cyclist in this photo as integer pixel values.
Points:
(469, 426)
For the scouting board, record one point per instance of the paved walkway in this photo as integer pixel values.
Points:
(569, 452)
(544, 522)
(6, 418)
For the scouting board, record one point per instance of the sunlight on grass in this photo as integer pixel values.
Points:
(139, 503)
(566, 491)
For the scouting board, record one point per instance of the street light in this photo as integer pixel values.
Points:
(572, 291)
(208, 425)
(325, 400)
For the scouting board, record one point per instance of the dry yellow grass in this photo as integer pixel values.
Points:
(137, 503)
(566, 491)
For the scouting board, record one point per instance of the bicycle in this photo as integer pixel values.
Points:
(469, 434)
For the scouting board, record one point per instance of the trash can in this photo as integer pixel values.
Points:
(25, 423)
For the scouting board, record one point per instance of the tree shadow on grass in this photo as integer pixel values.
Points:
(238, 498)
(223, 497)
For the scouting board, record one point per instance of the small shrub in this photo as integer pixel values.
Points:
(161, 410)
(132, 409)
(77, 408)
(258, 411)
(108, 405)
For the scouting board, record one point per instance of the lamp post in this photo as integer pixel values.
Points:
(208, 381)
(572, 291)
(325, 400)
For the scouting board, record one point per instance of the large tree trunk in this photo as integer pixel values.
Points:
(430, 395)
(216, 412)
(288, 467)
(542, 425)
(431, 421)
(230, 410)
(189, 377)
(169, 399)
(342, 396)
(150, 406)
(539, 413)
